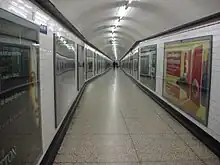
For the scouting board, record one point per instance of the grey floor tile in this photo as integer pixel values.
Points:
(100, 126)
(166, 147)
(125, 163)
(98, 133)
(203, 152)
(174, 163)
(135, 112)
(148, 126)
(190, 139)
(64, 158)
(98, 113)
(63, 163)
(198, 147)
(175, 125)
(212, 161)
(98, 148)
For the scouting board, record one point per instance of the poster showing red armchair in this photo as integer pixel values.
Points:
(187, 76)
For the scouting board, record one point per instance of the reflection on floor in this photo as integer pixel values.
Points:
(116, 123)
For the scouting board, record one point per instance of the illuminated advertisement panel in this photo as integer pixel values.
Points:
(187, 76)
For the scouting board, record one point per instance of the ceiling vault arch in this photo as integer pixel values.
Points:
(96, 19)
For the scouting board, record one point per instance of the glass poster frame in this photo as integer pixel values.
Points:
(187, 76)
(20, 106)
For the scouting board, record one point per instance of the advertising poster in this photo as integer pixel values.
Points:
(20, 109)
(20, 114)
(131, 65)
(89, 60)
(65, 76)
(148, 66)
(187, 75)
(81, 65)
(136, 63)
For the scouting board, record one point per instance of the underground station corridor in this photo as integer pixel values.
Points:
(115, 122)
(109, 82)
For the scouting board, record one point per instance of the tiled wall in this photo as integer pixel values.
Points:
(213, 127)
(30, 12)
(27, 11)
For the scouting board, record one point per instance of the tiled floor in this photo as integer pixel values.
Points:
(117, 124)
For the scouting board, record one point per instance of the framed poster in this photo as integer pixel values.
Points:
(65, 84)
(81, 65)
(148, 64)
(20, 109)
(90, 61)
(136, 65)
(187, 75)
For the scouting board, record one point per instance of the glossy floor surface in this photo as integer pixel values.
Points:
(117, 124)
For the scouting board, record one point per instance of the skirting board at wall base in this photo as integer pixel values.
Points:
(204, 137)
(51, 153)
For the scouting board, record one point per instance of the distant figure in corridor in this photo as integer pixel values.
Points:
(114, 64)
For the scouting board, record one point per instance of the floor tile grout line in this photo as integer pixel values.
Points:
(139, 161)
(182, 139)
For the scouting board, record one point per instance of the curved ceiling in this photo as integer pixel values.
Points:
(96, 19)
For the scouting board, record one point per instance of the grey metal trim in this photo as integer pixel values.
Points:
(4, 14)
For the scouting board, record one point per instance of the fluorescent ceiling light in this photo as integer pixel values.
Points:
(123, 11)
(42, 16)
(27, 6)
(114, 49)
(130, 1)
(22, 8)
(113, 35)
(14, 3)
(117, 22)
(20, 1)
(114, 42)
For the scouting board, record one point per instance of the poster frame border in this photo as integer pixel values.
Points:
(54, 78)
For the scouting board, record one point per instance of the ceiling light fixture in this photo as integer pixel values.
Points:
(113, 29)
(117, 23)
(123, 11)
(115, 51)
(18, 11)
(113, 35)
(129, 2)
